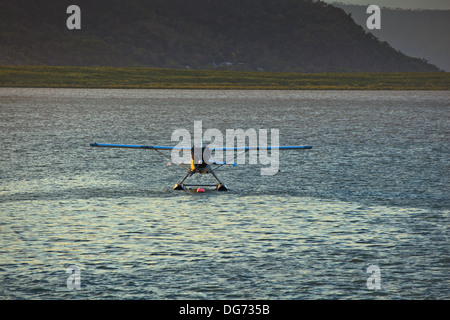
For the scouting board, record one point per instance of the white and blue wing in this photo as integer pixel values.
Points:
(261, 148)
(234, 164)
(134, 146)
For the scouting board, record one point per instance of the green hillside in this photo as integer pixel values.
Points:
(282, 35)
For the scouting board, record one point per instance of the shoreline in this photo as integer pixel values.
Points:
(158, 78)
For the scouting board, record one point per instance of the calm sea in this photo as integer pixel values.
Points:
(374, 191)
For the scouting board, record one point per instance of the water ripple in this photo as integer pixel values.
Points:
(372, 192)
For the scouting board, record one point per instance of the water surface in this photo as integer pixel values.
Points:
(373, 191)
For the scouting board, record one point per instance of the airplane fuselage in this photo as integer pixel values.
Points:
(200, 160)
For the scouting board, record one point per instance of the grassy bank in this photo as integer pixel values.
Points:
(153, 78)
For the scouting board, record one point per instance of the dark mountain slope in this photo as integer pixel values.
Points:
(417, 33)
(283, 35)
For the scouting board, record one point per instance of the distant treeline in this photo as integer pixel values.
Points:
(156, 78)
(283, 35)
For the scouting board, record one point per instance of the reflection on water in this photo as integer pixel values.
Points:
(373, 191)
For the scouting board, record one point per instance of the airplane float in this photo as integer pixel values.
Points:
(201, 161)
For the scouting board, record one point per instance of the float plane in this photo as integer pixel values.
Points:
(200, 162)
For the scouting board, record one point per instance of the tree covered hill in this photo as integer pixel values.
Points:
(282, 35)
(417, 33)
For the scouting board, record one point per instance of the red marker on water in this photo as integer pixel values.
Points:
(200, 190)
